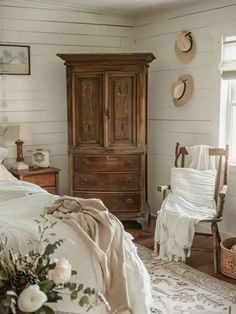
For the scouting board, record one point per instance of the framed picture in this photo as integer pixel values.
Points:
(14, 60)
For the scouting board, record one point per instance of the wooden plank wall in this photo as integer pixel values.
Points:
(197, 122)
(39, 100)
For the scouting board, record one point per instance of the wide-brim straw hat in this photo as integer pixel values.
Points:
(182, 89)
(185, 46)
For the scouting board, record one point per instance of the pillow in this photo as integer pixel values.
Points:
(5, 175)
(195, 186)
(3, 154)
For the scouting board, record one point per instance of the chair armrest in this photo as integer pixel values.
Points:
(162, 188)
(223, 191)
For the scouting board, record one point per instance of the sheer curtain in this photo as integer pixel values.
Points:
(228, 95)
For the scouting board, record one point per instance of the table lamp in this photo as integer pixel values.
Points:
(19, 134)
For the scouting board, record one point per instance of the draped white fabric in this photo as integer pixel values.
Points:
(21, 203)
(190, 200)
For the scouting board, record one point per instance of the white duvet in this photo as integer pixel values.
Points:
(22, 202)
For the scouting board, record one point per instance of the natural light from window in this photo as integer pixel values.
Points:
(228, 96)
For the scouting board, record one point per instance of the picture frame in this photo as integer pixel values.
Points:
(14, 60)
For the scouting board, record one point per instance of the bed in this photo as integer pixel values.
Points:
(22, 202)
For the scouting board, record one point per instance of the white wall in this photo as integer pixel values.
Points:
(197, 121)
(39, 100)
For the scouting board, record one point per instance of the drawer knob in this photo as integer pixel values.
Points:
(129, 181)
(111, 158)
(128, 163)
(84, 163)
(82, 182)
(130, 202)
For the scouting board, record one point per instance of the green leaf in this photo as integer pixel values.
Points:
(72, 286)
(46, 285)
(53, 296)
(52, 266)
(74, 295)
(80, 287)
(51, 247)
(73, 272)
(88, 291)
(45, 310)
(67, 285)
(84, 300)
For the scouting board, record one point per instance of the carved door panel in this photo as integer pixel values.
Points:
(87, 103)
(121, 109)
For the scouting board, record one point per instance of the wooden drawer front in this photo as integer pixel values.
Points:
(47, 179)
(106, 181)
(116, 202)
(113, 163)
(51, 190)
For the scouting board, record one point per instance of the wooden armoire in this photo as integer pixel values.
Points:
(107, 130)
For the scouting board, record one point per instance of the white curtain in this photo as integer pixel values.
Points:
(228, 63)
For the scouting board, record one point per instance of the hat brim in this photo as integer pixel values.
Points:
(186, 57)
(188, 90)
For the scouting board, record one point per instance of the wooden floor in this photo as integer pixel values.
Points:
(202, 261)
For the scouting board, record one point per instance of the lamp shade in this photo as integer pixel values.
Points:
(18, 132)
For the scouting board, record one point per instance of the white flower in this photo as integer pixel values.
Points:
(61, 273)
(31, 299)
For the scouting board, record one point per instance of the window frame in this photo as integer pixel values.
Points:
(230, 104)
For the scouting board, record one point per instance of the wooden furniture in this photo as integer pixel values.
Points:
(107, 100)
(47, 178)
(222, 156)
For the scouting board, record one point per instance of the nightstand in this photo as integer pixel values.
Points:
(47, 178)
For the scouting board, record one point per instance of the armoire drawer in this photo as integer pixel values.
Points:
(116, 202)
(106, 181)
(113, 163)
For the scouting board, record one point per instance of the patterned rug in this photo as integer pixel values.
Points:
(180, 289)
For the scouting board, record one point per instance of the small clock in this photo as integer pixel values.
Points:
(40, 158)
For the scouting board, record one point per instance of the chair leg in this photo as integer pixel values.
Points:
(216, 246)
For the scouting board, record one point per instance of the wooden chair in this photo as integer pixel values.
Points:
(222, 156)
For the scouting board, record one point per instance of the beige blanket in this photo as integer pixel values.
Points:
(104, 234)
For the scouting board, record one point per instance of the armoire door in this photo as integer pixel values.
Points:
(122, 110)
(87, 107)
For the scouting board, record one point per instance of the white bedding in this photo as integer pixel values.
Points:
(22, 202)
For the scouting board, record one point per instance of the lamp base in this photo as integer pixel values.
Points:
(20, 165)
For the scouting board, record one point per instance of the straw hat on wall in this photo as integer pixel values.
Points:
(185, 46)
(181, 90)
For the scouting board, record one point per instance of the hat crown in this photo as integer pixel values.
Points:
(179, 89)
(184, 42)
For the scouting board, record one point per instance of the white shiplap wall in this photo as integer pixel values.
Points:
(197, 121)
(39, 100)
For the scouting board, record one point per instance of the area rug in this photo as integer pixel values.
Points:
(180, 289)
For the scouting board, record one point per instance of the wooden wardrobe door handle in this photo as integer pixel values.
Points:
(85, 163)
(129, 181)
(130, 202)
(111, 158)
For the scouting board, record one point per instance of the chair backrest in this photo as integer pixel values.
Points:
(222, 164)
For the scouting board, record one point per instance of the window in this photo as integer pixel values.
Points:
(228, 96)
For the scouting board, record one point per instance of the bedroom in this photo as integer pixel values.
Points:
(55, 27)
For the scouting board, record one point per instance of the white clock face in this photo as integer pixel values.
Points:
(39, 157)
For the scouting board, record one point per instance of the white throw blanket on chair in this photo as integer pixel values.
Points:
(190, 200)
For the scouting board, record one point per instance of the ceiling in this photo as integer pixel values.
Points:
(130, 7)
